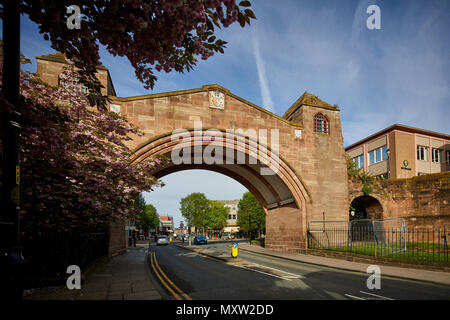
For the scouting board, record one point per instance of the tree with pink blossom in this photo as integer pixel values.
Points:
(73, 156)
(75, 169)
(163, 35)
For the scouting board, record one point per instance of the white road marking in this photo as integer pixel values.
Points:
(283, 274)
(367, 298)
(188, 254)
(353, 297)
(289, 275)
(272, 275)
(375, 295)
(335, 295)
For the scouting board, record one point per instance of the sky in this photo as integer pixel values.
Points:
(398, 74)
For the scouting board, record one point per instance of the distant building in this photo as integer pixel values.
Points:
(166, 225)
(402, 152)
(232, 215)
(181, 229)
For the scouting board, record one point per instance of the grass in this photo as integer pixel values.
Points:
(415, 251)
(258, 242)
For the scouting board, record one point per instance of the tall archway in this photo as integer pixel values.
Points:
(214, 185)
(366, 207)
(281, 194)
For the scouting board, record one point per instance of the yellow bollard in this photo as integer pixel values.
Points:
(234, 250)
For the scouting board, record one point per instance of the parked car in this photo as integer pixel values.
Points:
(200, 239)
(160, 240)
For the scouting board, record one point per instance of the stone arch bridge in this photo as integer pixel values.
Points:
(296, 174)
(295, 165)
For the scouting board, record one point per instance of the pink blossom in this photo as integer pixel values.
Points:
(71, 176)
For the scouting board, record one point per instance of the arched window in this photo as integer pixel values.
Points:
(321, 123)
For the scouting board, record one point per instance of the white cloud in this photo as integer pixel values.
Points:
(262, 77)
(378, 78)
(359, 20)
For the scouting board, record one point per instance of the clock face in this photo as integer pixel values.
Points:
(216, 99)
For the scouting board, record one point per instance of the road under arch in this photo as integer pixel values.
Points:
(282, 197)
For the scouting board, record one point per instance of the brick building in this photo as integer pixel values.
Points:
(166, 225)
(50, 67)
(181, 229)
(401, 151)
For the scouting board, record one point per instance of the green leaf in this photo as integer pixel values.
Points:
(245, 4)
(209, 25)
(220, 42)
(216, 23)
(250, 13)
(211, 39)
(241, 19)
(251, 216)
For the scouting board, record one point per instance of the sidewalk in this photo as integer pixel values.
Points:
(397, 272)
(124, 277)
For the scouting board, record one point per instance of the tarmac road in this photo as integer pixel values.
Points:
(187, 275)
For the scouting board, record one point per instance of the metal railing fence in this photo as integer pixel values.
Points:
(428, 245)
(49, 255)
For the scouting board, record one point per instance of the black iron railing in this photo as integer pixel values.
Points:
(49, 255)
(427, 245)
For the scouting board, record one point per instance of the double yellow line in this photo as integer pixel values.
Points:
(168, 283)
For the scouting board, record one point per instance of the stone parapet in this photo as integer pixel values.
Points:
(423, 201)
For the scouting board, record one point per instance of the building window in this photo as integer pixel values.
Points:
(74, 82)
(448, 157)
(378, 155)
(359, 161)
(229, 217)
(422, 153)
(320, 124)
(436, 155)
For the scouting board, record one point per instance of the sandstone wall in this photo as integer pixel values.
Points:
(318, 160)
(423, 202)
(117, 240)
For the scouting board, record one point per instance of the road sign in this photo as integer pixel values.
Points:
(234, 250)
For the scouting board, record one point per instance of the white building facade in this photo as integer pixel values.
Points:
(232, 226)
